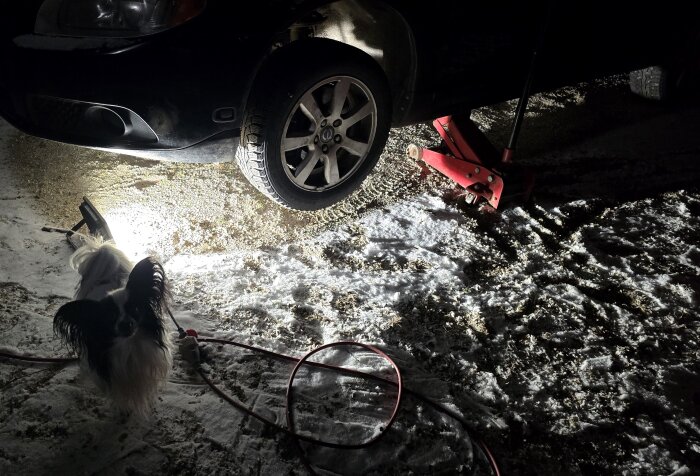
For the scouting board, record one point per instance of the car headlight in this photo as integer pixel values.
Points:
(113, 18)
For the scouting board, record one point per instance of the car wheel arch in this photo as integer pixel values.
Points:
(375, 28)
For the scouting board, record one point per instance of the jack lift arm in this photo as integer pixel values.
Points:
(470, 159)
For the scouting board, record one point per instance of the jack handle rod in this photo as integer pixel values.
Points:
(525, 96)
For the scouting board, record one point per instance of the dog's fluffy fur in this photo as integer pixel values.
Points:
(116, 324)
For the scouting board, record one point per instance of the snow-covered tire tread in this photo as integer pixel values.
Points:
(250, 156)
(650, 83)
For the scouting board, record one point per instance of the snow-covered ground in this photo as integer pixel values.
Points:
(567, 331)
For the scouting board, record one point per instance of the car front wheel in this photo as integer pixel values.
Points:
(316, 124)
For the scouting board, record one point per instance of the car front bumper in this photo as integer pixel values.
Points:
(169, 91)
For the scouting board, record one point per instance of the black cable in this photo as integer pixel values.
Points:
(181, 332)
(46, 360)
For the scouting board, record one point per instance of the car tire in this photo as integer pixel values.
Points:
(651, 83)
(315, 124)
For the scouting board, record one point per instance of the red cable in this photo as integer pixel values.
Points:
(398, 383)
(489, 456)
(480, 444)
(289, 395)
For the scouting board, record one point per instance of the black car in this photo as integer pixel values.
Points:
(311, 87)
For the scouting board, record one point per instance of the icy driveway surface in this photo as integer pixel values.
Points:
(574, 320)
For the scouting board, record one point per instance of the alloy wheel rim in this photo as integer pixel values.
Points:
(329, 133)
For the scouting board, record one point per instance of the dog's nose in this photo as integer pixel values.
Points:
(126, 327)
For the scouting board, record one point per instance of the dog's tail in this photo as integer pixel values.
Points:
(100, 265)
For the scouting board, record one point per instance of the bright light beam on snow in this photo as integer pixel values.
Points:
(134, 229)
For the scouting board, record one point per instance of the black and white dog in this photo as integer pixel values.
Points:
(116, 324)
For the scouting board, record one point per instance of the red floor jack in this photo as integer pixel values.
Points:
(468, 158)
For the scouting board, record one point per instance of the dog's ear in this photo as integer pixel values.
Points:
(147, 283)
(77, 323)
(81, 325)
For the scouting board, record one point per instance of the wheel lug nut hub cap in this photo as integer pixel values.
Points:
(327, 134)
